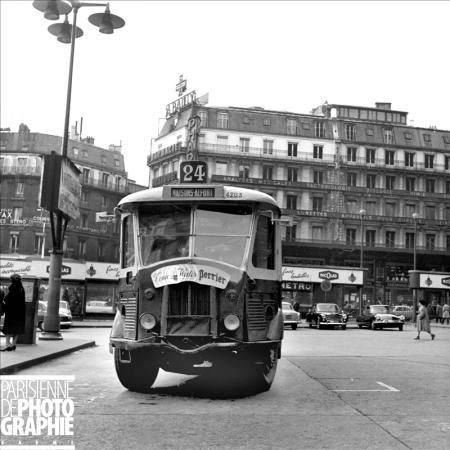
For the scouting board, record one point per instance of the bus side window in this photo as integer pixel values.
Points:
(128, 253)
(264, 249)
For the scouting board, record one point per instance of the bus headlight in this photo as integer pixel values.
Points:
(231, 322)
(147, 321)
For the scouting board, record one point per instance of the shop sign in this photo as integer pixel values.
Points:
(65, 270)
(328, 275)
(434, 281)
(352, 276)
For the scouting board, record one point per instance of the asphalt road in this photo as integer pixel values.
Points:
(334, 389)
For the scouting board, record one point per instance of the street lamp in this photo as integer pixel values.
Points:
(362, 213)
(106, 22)
(415, 217)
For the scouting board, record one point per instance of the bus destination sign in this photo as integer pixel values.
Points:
(202, 192)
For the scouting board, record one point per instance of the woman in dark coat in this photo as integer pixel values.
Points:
(14, 302)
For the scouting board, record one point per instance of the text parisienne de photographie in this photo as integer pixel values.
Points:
(36, 411)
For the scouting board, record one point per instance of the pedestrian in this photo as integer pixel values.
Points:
(14, 302)
(438, 313)
(445, 314)
(423, 320)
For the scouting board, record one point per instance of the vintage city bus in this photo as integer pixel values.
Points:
(200, 285)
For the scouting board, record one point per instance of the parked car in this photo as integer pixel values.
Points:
(98, 306)
(290, 316)
(378, 316)
(327, 314)
(65, 315)
(403, 310)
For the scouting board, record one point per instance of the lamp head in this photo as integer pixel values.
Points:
(415, 216)
(362, 212)
(63, 31)
(106, 21)
(52, 8)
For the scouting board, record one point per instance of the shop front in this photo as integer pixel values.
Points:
(89, 288)
(305, 285)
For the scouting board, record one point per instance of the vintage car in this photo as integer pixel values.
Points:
(65, 315)
(290, 316)
(378, 316)
(327, 315)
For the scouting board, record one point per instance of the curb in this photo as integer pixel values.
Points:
(32, 362)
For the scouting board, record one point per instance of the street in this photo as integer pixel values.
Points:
(334, 389)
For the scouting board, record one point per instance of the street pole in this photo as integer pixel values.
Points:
(414, 216)
(106, 22)
(362, 212)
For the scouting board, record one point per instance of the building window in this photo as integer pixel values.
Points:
(244, 144)
(81, 248)
(84, 196)
(318, 151)
(292, 149)
(292, 174)
(448, 242)
(317, 204)
(319, 130)
(430, 212)
(388, 136)
(410, 209)
(390, 210)
(447, 213)
(221, 168)
(350, 206)
(447, 187)
(13, 242)
(409, 240)
(85, 154)
(429, 161)
(318, 177)
(116, 162)
(222, 120)
(105, 178)
(350, 134)
(20, 189)
(267, 147)
(103, 158)
(389, 156)
(427, 137)
(17, 213)
(85, 175)
(244, 171)
(291, 233)
(371, 207)
(370, 238)
(203, 118)
(291, 202)
(429, 185)
(22, 162)
(267, 172)
(104, 201)
(430, 241)
(266, 122)
(75, 152)
(447, 163)
(370, 180)
(317, 233)
(101, 249)
(291, 126)
(390, 182)
(84, 220)
(351, 154)
(409, 159)
(118, 181)
(350, 236)
(222, 142)
(351, 179)
(390, 239)
(410, 184)
(370, 156)
(408, 135)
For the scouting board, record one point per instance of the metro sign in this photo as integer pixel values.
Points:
(328, 275)
(446, 281)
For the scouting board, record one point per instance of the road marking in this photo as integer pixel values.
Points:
(388, 389)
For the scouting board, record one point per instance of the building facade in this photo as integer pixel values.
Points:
(25, 227)
(363, 187)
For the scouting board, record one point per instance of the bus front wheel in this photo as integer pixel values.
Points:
(139, 373)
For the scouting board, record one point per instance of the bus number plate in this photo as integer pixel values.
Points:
(193, 172)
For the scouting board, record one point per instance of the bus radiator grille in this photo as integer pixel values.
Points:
(256, 317)
(189, 299)
(130, 318)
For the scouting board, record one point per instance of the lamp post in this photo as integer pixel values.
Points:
(415, 217)
(66, 34)
(362, 213)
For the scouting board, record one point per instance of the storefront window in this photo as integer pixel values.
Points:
(71, 292)
(101, 298)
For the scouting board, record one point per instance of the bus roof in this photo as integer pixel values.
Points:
(198, 192)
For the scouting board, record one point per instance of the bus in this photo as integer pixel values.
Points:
(199, 285)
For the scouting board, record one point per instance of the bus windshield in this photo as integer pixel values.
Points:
(218, 232)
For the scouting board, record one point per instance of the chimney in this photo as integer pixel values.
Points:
(383, 105)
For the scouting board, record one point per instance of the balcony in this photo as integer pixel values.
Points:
(20, 170)
(102, 185)
(168, 178)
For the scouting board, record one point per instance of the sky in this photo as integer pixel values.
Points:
(286, 56)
